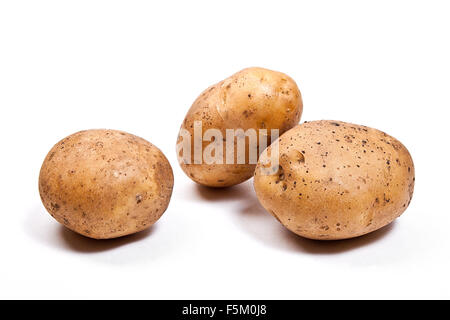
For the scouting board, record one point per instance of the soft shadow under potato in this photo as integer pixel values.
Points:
(84, 244)
(257, 221)
(237, 192)
(41, 227)
(336, 246)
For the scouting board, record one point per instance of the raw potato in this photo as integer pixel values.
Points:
(252, 98)
(336, 180)
(105, 183)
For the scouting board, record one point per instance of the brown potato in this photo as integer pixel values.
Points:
(253, 98)
(105, 183)
(336, 180)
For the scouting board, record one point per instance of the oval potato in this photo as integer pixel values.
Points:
(335, 180)
(105, 183)
(254, 98)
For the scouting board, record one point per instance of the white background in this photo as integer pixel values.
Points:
(138, 66)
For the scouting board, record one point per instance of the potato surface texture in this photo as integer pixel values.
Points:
(335, 180)
(254, 98)
(105, 183)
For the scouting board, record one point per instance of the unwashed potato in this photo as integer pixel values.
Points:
(105, 183)
(254, 98)
(335, 180)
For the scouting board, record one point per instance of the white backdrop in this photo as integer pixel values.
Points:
(137, 66)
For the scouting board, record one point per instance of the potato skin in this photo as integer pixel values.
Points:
(252, 98)
(105, 183)
(336, 180)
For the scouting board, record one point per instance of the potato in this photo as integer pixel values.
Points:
(335, 180)
(253, 98)
(105, 183)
